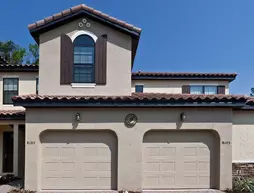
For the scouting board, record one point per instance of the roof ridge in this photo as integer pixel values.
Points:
(78, 8)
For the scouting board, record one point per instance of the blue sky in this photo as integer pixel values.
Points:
(177, 35)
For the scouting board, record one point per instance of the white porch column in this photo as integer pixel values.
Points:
(15, 148)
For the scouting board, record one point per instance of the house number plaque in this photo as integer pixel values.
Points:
(226, 142)
(30, 142)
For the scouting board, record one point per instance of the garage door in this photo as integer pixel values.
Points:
(177, 159)
(78, 160)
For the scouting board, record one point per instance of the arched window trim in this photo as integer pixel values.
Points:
(89, 84)
(84, 32)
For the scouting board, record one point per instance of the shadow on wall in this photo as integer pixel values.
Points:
(117, 115)
(243, 117)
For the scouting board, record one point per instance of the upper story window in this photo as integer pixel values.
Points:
(139, 88)
(203, 89)
(10, 89)
(84, 59)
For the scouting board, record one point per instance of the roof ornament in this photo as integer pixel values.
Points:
(84, 23)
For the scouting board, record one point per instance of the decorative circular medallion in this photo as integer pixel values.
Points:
(130, 120)
(80, 24)
(88, 25)
(84, 20)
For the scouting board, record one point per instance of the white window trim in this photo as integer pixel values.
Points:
(139, 85)
(205, 84)
(84, 32)
(11, 76)
(83, 85)
(8, 105)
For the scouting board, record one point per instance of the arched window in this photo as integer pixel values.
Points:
(84, 56)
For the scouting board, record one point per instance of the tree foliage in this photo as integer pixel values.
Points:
(34, 51)
(15, 54)
(252, 92)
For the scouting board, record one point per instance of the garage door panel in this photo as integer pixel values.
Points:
(177, 159)
(156, 181)
(86, 160)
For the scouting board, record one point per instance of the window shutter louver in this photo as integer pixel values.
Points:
(186, 89)
(221, 89)
(66, 60)
(101, 60)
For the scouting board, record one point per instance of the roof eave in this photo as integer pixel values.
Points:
(137, 77)
(19, 68)
(12, 117)
(133, 104)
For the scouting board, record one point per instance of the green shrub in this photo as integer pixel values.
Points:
(242, 185)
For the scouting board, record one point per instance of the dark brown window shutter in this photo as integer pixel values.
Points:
(186, 89)
(101, 60)
(221, 89)
(66, 60)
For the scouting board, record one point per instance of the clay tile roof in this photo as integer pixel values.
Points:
(136, 98)
(12, 114)
(182, 75)
(78, 8)
(19, 68)
(250, 101)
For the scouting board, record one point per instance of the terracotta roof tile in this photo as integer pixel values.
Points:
(12, 112)
(49, 19)
(39, 23)
(250, 101)
(66, 12)
(80, 8)
(56, 16)
(141, 97)
(76, 8)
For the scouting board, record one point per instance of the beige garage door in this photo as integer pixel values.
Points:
(177, 159)
(78, 160)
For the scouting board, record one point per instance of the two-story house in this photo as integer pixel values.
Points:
(89, 123)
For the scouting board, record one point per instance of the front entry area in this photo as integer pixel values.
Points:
(78, 160)
(12, 149)
(180, 160)
(7, 152)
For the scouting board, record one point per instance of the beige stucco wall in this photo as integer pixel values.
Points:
(243, 136)
(118, 62)
(129, 165)
(27, 85)
(174, 86)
